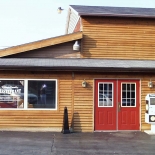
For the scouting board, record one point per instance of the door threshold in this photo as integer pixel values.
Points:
(106, 131)
(116, 130)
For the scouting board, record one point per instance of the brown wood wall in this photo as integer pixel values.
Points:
(79, 100)
(78, 25)
(64, 50)
(118, 38)
(33, 118)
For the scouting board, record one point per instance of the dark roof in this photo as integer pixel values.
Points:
(114, 11)
(76, 64)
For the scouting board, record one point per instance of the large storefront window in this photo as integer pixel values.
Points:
(11, 93)
(41, 94)
(28, 94)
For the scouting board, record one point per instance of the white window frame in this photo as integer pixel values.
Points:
(130, 97)
(26, 94)
(112, 94)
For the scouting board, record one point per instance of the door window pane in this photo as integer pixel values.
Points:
(124, 102)
(128, 102)
(124, 95)
(128, 87)
(133, 102)
(101, 88)
(132, 94)
(105, 95)
(133, 87)
(124, 87)
(128, 94)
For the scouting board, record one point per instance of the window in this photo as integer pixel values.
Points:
(41, 94)
(105, 95)
(28, 94)
(128, 94)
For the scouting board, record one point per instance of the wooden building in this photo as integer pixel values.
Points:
(103, 84)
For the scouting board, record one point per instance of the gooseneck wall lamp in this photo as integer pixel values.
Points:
(84, 83)
(150, 84)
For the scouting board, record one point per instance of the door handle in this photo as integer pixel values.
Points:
(119, 106)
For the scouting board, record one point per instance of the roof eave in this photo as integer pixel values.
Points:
(41, 44)
(82, 69)
(115, 15)
(70, 10)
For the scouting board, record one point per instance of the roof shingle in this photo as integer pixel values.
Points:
(76, 64)
(114, 11)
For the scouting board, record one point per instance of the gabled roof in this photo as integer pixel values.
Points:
(113, 11)
(40, 44)
(93, 65)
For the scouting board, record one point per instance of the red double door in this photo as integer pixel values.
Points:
(117, 105)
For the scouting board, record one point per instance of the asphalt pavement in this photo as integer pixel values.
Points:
(97, 143)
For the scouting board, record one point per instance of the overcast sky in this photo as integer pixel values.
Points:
(24, 21)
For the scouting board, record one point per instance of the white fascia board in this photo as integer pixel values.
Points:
(68, 18)
(76, 22)
(74, 11)
(67, 21)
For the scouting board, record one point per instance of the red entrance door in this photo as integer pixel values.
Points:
(117, 105)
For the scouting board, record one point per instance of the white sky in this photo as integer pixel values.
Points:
(24, 21)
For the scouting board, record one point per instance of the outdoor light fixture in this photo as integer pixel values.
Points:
(84, 83)
(76, 46)
(59, 10)
(150, 84)
(152, 118)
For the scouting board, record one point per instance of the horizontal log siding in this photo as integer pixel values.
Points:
(83, 105)
(84, 102)
(118, 38)
(39, 118)
(79, 101)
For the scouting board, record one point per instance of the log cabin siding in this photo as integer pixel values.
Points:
(118, 38)
(79, 100)
(39, 118)
(64, 50)
(83, 105)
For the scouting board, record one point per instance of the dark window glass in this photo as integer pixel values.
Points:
(123, 94)
(105, 93)
(41, 94)
(123, 102)
(128, 102)
(132, 102)
(128, 87)
(124, 87)
(133, 87)
(128, 94)
(100, 86)
(132, 94)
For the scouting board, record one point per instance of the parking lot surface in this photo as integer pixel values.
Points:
(97, 143)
